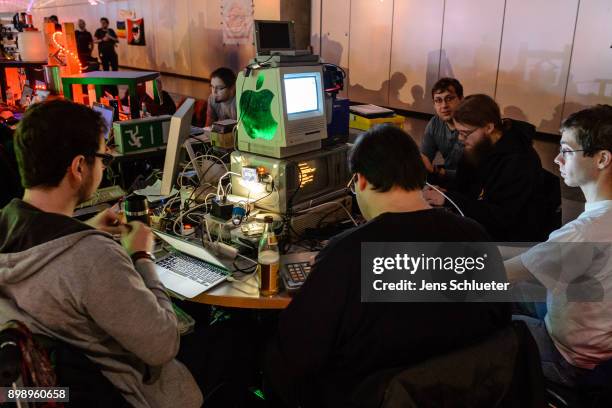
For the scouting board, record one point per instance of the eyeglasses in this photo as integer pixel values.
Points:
(447, 99)
(563, 151)
(107, 158)
(351, 184)
(465, 133)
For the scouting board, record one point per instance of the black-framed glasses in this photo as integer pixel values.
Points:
(447, 99)
(351, 184)
(465, 133)
(107, 158)
(563, 151)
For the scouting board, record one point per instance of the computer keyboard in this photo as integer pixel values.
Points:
(104, 195)
(192, 268)
(295, 274)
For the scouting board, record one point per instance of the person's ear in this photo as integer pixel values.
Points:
(489, 128)
(77, 168)
(362, 183)
(605, 159)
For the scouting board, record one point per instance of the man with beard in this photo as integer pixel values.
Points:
(497, 181)
(70, 280)
(440, 133)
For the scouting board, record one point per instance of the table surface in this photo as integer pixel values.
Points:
(119, 75)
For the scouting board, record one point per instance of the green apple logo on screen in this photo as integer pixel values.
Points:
(256, 114)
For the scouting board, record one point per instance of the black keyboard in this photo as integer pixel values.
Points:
(294, 275)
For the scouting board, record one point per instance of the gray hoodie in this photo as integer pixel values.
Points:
(83, 289)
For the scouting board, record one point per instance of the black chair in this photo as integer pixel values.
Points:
(592, 391)
(501, 371)
(88, 387)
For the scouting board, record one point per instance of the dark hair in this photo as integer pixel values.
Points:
(53, 17)
(50, 135)
(226, 75)
(104, 19)
(478, 110)
(387, 156)
(444, 84)
(592, 127)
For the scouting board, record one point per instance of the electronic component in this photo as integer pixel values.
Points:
(104, 195)
(222, 209)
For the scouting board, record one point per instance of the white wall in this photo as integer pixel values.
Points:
(540, 59)
(182, 36)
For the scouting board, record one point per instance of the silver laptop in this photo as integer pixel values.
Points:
(190, 269)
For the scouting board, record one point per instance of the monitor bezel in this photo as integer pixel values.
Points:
(267, 51)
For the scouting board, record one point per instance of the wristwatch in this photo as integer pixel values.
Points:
(142, 255)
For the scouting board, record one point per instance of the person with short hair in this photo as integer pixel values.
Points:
(71, 280)
(328, 341)
(84, 42)
(497, 181)
(440, 134)
(222, 100)
(575, 264)
(106, 38)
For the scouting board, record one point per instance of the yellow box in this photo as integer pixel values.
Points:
(362, 123)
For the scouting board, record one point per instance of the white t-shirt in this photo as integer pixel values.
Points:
(575, 265)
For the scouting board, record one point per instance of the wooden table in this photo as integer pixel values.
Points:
(227, 295)
(29, 69)
(101, 78)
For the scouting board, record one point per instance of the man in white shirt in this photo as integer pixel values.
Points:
(575, 264)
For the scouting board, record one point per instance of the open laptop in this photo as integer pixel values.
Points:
(189, 269)
(276, 38)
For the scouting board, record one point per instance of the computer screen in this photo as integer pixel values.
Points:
(301, 93)
(180, 126)
(107, 113)
(274, 35)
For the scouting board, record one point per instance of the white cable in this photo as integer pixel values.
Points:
(221, 179)
(330, 203)
(447, 197)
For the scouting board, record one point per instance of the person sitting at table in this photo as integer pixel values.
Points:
(575, 265)
(497, 181)
(71, 280)
(222, 99)
(328, 340)
(166, 106)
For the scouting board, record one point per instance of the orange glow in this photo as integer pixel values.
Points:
(66, 51)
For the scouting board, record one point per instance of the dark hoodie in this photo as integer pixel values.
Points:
(501, 192)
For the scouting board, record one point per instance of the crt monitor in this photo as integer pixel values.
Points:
(273, 36)
(281, 111)
(107, 113)
(180, 126)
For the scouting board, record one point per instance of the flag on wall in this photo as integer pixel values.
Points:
(237, 17)
(136, 32)
(121, 29)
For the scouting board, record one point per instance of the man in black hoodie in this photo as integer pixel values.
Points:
(497, 181)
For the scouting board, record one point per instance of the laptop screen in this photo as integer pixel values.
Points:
(274, 35)
(107, 114)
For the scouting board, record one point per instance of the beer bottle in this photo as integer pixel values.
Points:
(269, 260)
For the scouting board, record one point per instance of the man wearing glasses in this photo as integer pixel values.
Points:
(440, 133)
(222, 99)
(341, 340)
(70, 280)
(575, 264)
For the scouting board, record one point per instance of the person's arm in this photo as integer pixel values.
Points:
(516, 271)
(211, 115)
(429, 147)
(90, 42)
(111, 34)
(308, 329)
(129, 303)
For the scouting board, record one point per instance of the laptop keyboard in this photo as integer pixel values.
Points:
(192, 268)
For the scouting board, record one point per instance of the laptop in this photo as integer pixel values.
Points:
(276, 38)
(188, 269)
(107, 113)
